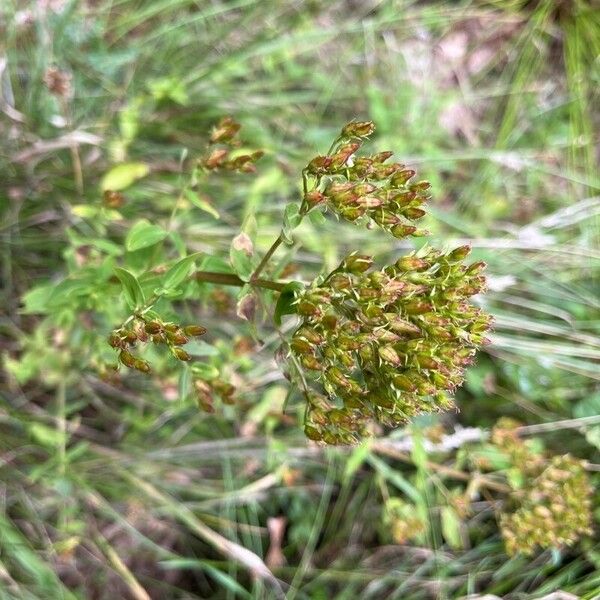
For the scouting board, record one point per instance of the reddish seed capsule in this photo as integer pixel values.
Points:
(314, 198)
(417, 307)
(131, 337)
(411, 263)
(177, 338)
(401, 231)
(224, 389)
(459, 253)
(401, 177)
(112, 199)
(307, 308)
(225, 130)
(312, 433)
(115, 340)
(420, 186)
(319, 164)
(414, 213)
(216, 159)
(381, 157)
(152, 327)
(358, 129)
(476, 267)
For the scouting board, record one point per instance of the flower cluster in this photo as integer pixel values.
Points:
(386, 345)
(139, 329)
(367, 188)
(205, 391)
(223, 140)
(554, 508)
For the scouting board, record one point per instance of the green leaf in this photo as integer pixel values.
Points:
(144, 234)
(204, 371)
(85, 211)
(291, 220)
(66, 292)
(285, 303)
(122, 176)
(132, 288)
(241, 253)
(201, 203)
(36, 299)
(317, 217)
(179, 271)
(451, 527)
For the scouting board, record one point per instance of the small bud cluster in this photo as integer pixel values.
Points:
(367, 188)
(58, 82)
(554, 508)
(386, 345)
(206, 390)
(223, 140)
(403, 521)
(145, 330)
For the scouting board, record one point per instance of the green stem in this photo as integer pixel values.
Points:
(266, 258)
(232, 279)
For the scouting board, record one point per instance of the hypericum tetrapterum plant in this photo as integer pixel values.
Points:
(374, 343)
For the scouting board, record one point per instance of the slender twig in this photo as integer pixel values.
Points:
(265, 259)
(232, 279)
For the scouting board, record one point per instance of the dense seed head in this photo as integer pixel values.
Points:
(382, 347)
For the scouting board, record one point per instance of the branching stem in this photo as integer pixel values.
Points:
(232, 279)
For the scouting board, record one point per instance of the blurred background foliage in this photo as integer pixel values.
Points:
(117, 485)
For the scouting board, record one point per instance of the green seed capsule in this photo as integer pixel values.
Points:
(181, 354)
(194, 330)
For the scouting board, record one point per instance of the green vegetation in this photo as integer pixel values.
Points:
(196, 480)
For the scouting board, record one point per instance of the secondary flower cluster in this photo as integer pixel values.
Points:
(388, 344)
(554, 508)
(224, 139)
(366, 188)
(145, 330)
